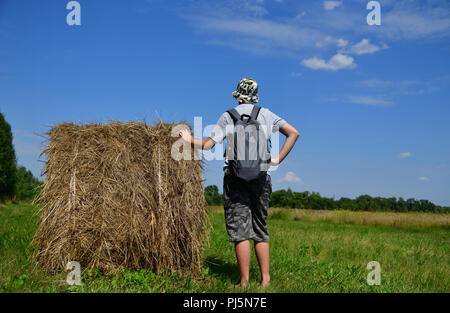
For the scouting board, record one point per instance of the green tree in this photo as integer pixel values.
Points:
(277, 199)
(212, 195)
(27, 186)
(314, 201)
(7, 160)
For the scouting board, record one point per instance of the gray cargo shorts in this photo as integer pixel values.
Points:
(246, 205)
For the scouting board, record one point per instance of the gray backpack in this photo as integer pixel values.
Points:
(247, 147)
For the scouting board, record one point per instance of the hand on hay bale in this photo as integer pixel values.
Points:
(186, 135)
(205, 144)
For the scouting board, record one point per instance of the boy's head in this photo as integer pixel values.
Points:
(246, 91)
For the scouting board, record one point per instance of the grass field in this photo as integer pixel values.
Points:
(311, 251)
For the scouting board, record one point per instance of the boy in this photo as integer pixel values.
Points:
(246, 202)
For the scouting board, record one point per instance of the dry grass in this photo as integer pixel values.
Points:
(115, 198)
(412, 219)
(374, 218)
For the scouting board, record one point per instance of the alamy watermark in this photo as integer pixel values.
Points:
(374, 16)
(374, 276)
(74, 16)
(74, 276)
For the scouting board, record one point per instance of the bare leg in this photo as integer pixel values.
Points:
(243, 259)
(262, 254)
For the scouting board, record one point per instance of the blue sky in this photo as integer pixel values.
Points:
(371, 102)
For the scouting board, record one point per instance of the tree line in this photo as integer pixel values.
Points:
(314, 201)
(16, 182)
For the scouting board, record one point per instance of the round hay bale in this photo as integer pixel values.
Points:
(115, 198)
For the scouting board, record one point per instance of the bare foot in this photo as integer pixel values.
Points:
(242, 284)
(265, 283)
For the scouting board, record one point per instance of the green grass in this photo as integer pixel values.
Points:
(306, 256)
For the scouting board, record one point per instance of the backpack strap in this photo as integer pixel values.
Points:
(234, 115)
(255, 112)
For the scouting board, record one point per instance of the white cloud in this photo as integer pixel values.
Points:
(363, 47)
(404, 155)
(300, 15)
(341, 42)
(403, 87)
(372, 101)
(331, 41)
(247, 25)
(424, 178)
(375, 83)
(337, 62)
(414, 23)
(400, 20)
(259, 33)
(255, 7)
(290, 177)
(330, 5)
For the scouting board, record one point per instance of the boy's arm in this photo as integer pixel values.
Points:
(291, 137)
(205, 144)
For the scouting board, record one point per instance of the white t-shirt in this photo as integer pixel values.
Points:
(266, 118)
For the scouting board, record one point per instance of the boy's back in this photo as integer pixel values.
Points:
(267, 119)
(246, 201)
